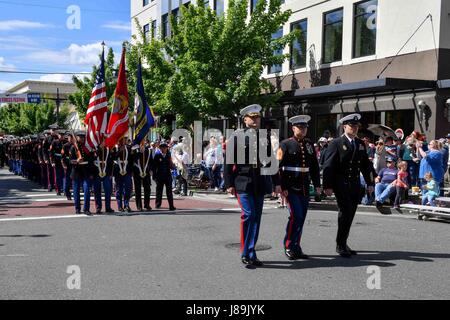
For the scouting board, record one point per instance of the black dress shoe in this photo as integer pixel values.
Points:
(295, 255)
(343, 252)
(128, 209)
(109, 211)
(257, 263)
(172, 209)
(352, 252)
(301, 255)
(251, 262)
(139, 209)
(98, 211)
(148, 208)
(121, 210)
(290, 254)
(88, 213)
(78, 212)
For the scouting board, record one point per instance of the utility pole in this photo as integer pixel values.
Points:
(58, 101)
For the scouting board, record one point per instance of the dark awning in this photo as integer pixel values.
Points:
(363, 87)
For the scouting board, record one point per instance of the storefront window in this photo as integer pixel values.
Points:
(403, 119)
(326, 126)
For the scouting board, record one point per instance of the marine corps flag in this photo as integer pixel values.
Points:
(144, 115)
(118, 122)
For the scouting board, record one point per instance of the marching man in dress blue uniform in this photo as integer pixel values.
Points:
(249, 185)
(298, 165)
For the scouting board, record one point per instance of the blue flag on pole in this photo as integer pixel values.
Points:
(144, 115)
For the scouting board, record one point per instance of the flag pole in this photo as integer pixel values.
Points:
(102, 135)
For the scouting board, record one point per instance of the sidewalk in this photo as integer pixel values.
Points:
(20, 197)
(328, 204)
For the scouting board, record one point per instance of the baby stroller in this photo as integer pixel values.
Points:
(197, 176)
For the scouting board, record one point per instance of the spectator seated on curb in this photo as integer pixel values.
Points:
(384, 188)
(430, 190)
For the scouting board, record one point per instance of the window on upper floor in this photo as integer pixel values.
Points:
(365, 28)
(147, 31)
(165, 26)
(153, 29)
(298, 46)
(253, 4)
(276, 68)
(145, 2)
(219, 7)
(332, 36)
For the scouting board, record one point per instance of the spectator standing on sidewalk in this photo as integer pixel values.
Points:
(379, 161)
(401, 183)
(432, 161)
(211, 162)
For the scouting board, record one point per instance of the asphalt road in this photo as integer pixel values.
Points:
(194, 255)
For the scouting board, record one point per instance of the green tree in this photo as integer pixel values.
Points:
(211, 65)
(23, 119)
(80, 99)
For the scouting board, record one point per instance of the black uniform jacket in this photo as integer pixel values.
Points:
(162, 166)
(343, 165)
(142, 159)
(120, 154)
(300, 155)
(101, 156)
(86, 168)
(247, 177)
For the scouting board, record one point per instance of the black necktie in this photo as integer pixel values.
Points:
(353, 145)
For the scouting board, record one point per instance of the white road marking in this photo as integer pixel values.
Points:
(43, 218)
(13, 255)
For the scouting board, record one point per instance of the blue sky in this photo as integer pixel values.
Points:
(34, 36)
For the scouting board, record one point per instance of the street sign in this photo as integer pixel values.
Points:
(13, 98)
(34, 98)
(20, 98)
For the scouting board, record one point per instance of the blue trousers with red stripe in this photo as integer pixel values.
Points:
(251, 206)
(298, 207)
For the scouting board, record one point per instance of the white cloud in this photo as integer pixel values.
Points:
(8, 25)
(56, 78)
(4, 65)
(79, 55)
(118, 25)
(5, 85)
(84, 54)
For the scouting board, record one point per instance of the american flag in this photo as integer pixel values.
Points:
(96, 115)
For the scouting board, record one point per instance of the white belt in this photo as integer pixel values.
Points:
(83, 163)
(295, 169)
